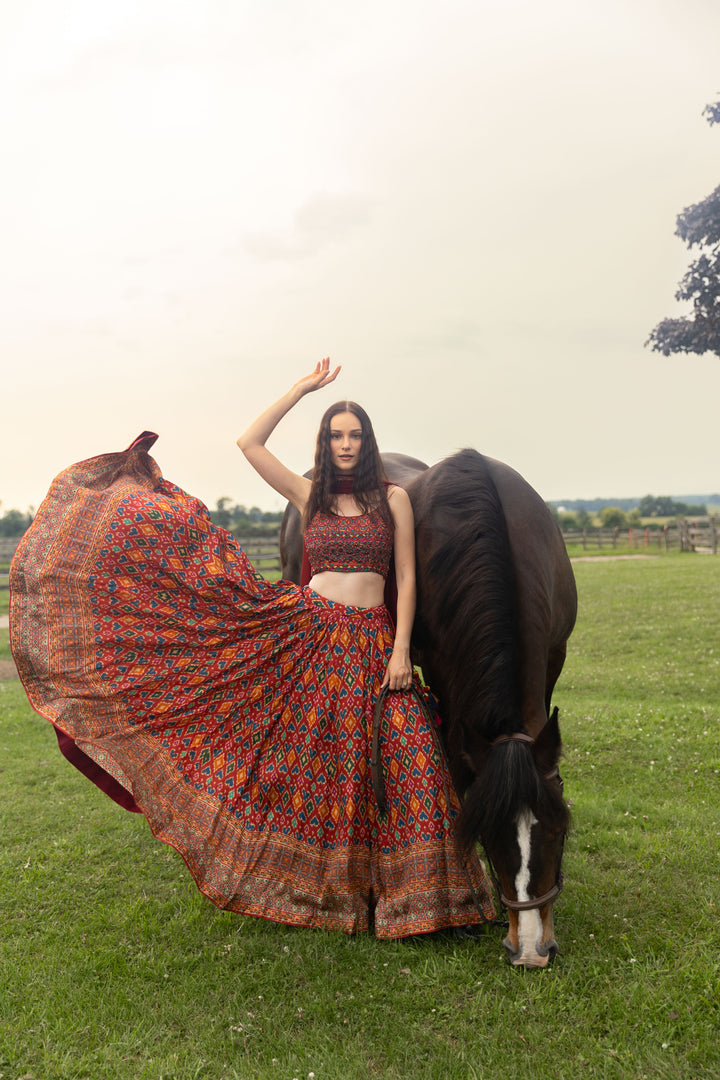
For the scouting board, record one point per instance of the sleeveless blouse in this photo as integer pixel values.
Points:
(358, 544)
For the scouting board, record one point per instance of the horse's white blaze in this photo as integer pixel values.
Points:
(529, 922)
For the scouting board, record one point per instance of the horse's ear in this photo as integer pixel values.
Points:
(547, 746)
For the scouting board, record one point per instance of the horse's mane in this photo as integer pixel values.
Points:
(468, 635)
(508, 783)
(469, 591)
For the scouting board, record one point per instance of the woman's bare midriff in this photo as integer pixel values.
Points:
(363, 589)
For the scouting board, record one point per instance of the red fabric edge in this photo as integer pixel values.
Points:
(89, 768)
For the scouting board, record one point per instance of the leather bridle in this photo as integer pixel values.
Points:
(554, 891)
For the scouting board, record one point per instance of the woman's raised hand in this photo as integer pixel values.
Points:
(320, 377)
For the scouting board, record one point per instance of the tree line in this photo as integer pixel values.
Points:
(239, 519)
(236, 518)
(14, 522)
(616, 517)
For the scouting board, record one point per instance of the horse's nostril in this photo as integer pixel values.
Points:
(548, 952)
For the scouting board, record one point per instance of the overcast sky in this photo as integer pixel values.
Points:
(469, 204)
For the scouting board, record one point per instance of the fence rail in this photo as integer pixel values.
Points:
(687, 534)
(262, 551)
(7, 548)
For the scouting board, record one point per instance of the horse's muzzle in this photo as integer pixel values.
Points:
(538, 957)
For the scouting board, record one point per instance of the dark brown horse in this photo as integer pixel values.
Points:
(496, 605)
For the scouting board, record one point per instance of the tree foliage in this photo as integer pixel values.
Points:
(239, 519)
(664, 506)
(14, 523)
(612, 517)
(698, 226)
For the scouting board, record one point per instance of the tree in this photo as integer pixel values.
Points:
(699, 225)
(14, 523)
(612, 517)
(221, 515)
(238, 519)
(665, 506)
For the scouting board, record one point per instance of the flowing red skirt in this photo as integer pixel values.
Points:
(234, 712)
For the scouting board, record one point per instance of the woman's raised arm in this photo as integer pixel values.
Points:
(289, 484)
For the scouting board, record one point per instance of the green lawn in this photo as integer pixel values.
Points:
(112, 966)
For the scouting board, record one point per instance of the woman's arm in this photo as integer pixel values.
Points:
(289, 484)
(399, 670)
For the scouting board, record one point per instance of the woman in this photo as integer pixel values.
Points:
(346, 450)
(235, 713)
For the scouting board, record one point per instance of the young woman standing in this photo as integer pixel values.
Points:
(235, 713)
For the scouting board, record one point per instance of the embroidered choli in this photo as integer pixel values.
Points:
(358, 544)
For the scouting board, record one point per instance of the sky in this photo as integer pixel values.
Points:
(469, 204)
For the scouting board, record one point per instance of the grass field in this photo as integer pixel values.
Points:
(114, 967)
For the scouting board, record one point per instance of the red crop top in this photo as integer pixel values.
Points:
(359, 544)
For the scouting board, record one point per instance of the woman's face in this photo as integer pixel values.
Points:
(345, 441)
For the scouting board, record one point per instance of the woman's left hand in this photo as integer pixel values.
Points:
(398, 675)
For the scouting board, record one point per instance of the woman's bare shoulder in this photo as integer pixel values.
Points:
(400, 506)
(398, 494)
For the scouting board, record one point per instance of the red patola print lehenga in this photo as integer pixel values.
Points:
(235, 713)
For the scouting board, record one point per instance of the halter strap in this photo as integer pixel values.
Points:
(539, 901)
(515, 736)
(529, 905)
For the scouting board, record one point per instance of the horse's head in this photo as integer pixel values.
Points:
(515, 807)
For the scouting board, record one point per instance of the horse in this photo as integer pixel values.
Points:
(496, 604)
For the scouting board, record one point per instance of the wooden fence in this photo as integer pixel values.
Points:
(657, 539)
(7, 548)
(262, 551)
(687, 534)
(699, 534)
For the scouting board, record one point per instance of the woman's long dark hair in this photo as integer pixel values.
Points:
(368, 477)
